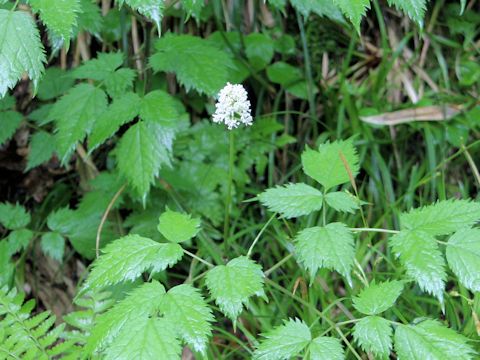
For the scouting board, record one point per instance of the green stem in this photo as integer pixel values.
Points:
(229, 189)
(375, 230)
(15, 5)
(198, 258)
(278, 264)
(260, 234)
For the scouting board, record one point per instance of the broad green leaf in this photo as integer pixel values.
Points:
(119, 82)
(374, 335)
(9, 123)
(284, 341)
(326, 348)
(146, 338)
(329, 247)
(19, 240)
(419, 253)
(159, 107)
(141, 152)
(342, 201)
(13, 216)
(332, 163)
(178, 227)
(190, 315)
(127, 258)
(193, 7)
(142, 302)
(197, 63)
(233, 284)
(320, 7)
(54, 83)
(7, 102)
(42, 147)
(121, 111)
(91, 19)
(100, 67)
(290, 77)
(53, 245)
(21, 50)
(377, 298)
(431, 340)
(292, 200)
(415, 9)
(463, 257)
(354, 10)
(7, 267)
(443, 217)
(60, 16)
(259, 50)
(75, 113)
(152, 9)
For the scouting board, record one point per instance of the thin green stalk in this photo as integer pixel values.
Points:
(198, 258)
(278, 264)
(375, 230)
(260, 234)
(15, 5)
(228, 200)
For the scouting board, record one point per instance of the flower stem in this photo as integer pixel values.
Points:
(228, 200)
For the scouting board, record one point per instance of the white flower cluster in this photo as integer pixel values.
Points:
(233, 107)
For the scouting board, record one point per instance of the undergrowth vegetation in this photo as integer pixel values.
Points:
(239, 179)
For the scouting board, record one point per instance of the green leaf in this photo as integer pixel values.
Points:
(141, 152)
(19, 240)
(415, 9)
(259, 50)
(121, 111)
(233, 284)
(152, 9)
(159, 107)
(42, 146)
(147, 338)
(290, 77)
(430, 340)
(55, 82)
(178, 227)
(419, 253)
(21, 49)
(75, 113)
(377, 298)
(374, 335)
(284, 341)
(190, 315)
(7, 268)
(193, 8)
(354, 10)
(119, 82)
(53, 245)
(60, 16)
(91, 19)
(9, 123)
(330, 247)
(13, 216)
(443, 217)
(320, 7)
(463, 257)
(342, 201)
(100, 68)
(328, 165)
(128, 257)
(197, 63)
(142, 302)
(326, 348)
(292, 200)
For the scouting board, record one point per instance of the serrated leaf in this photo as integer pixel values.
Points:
(99, 68)
(55, 82)
(197, 63)
(120, 111)
(374, 335)
(53, 245)
(20, 48)
(152, 9)
(354, 10)
(331, 247)
(159, 107)
(463, 257)
(91, 19)
(193, 7)
(233, 284)
(419, 253)
(326, 348)
(60, 16)
(128, 257)
(328, 165)
(142, 302)
(377, 298)
(146, 339)
(42, 146)
(342, 201)
(284, 341)
(13, 216)
(415, 9)
(320, 7)
(9, 123)
(19, 240)
(430, 340)
(292, 200)
(443, 217)
(75, 113)
(141, 152)
(119, 82)
(190, 315)
(178, 227)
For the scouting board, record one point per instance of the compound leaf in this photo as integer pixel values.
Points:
(374, 335)
(178, 227)
(414, 9)
(159, 107)
(53, 245)
(326, 348)
(13, 216)
(342, 201)
(354, 10)
(376, 298)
